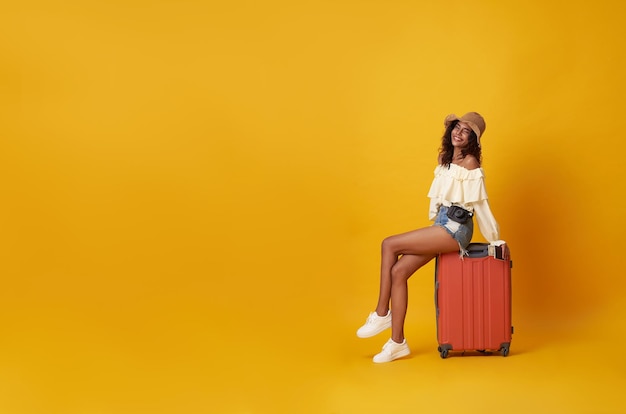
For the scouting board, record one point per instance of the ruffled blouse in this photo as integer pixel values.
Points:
(457, 185)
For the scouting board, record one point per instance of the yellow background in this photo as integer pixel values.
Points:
(194, 195)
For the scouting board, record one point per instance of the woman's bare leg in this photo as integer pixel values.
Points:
(401, 256)
(400, 273)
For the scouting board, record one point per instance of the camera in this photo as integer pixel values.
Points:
(458, 214)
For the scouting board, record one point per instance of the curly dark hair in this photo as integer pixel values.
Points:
(447, 150)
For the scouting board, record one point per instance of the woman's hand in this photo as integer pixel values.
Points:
(501, 244)
(506, 253)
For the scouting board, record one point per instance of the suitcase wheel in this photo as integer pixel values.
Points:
(504, 350)
(443, 351)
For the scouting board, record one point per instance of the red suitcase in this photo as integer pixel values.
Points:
(473, 301)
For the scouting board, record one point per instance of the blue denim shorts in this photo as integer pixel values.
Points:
(462, 233)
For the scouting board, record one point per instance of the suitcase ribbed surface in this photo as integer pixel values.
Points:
(473, 299)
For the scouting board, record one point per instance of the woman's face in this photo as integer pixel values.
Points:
(460, 134)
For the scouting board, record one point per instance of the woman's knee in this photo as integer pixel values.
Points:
(387, 246)
(407, 265)
(400, 273)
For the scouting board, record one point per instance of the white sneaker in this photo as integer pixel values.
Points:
(374, 325)
(392, 350)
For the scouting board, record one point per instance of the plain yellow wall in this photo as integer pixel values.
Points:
(178, 173)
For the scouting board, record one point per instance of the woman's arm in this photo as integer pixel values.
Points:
(487, 222)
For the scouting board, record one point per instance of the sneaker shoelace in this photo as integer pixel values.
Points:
(387, 348)
(372, 318)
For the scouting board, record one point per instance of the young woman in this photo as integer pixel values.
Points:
(457, 192)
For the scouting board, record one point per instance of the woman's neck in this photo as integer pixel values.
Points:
(457, 155)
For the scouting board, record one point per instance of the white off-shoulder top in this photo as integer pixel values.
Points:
(457, 185)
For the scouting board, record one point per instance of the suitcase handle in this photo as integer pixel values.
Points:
(477, 250)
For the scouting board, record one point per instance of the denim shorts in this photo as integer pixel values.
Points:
(462, 233)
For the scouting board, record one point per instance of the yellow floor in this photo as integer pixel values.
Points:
(174, 351)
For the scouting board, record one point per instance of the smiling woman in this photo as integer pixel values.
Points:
(458, 185)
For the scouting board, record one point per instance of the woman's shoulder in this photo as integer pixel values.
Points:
(470, 162)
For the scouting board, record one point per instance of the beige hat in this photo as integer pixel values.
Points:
(473, 119)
